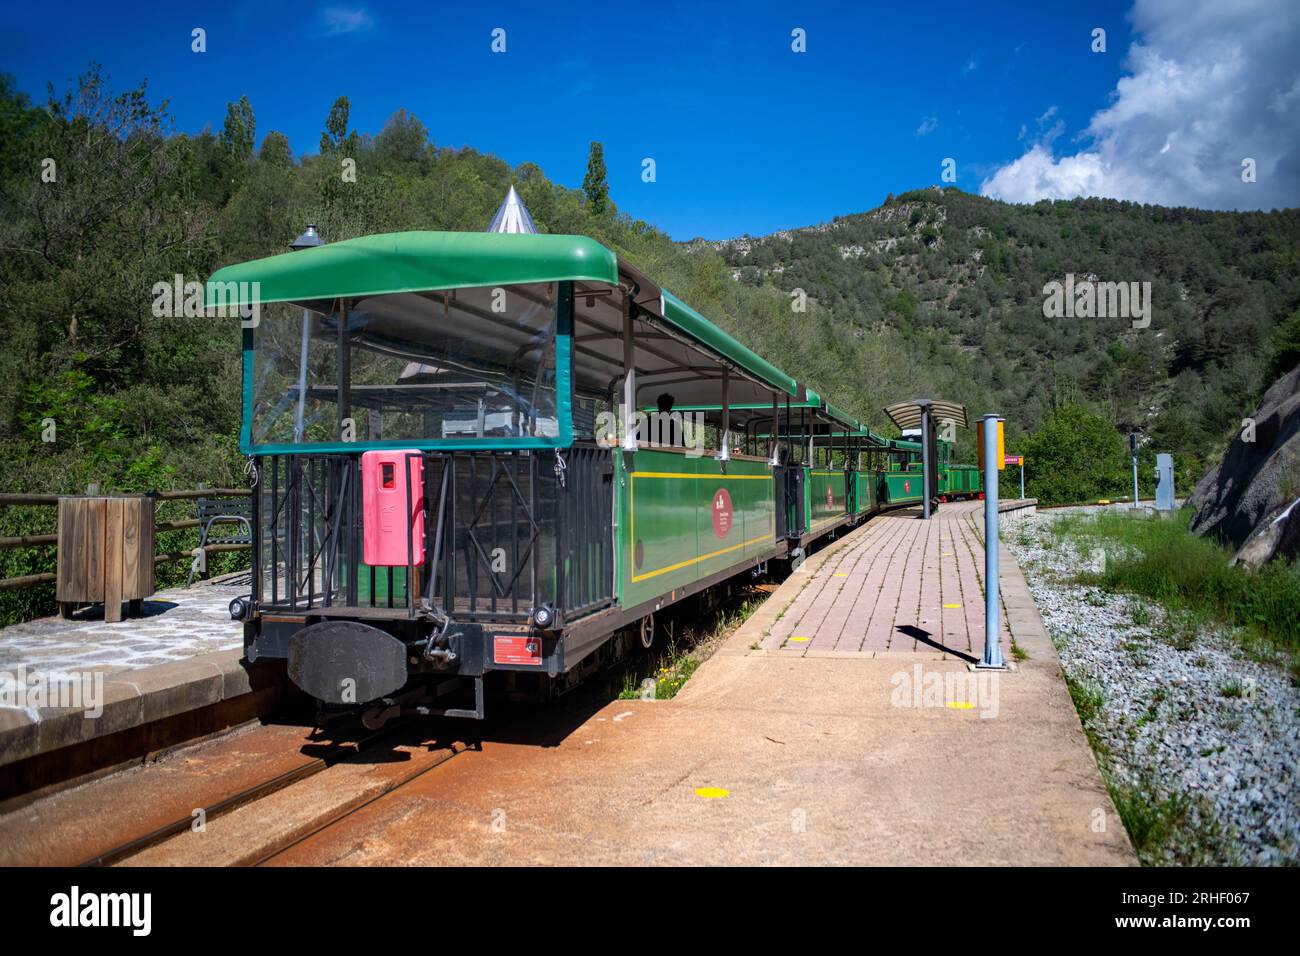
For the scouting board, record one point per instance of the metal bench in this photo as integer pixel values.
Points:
(235, 514)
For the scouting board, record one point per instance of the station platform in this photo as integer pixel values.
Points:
(870, 743)
(877, 745)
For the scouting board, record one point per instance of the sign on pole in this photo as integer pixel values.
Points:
(1000, 451)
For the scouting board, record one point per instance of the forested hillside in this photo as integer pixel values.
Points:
(946, 288)
(934, 293)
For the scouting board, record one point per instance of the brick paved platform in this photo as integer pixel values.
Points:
(904, 585)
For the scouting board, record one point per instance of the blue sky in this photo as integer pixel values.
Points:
(747, 135)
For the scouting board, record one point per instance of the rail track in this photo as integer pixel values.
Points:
(397, 735)
(309, 768)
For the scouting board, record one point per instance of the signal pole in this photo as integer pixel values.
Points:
(1133, 450)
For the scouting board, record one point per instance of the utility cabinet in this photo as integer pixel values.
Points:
(1164, 482)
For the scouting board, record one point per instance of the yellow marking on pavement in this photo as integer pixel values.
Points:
(799, 638)
(840, 574)
(960, 704)
(952, 605)
(712, 793)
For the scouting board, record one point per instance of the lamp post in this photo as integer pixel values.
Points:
(308, 240)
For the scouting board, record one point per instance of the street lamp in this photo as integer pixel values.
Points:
(308, 240)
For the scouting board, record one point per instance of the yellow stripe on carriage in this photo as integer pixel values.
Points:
(704, 557)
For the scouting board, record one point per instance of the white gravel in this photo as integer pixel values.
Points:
(1168, 716)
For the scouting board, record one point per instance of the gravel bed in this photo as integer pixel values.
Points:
(1183, 710)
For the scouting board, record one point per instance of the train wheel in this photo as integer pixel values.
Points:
(647, 631)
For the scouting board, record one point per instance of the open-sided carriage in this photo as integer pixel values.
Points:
(448, 482)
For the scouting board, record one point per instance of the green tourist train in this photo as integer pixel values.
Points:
(449, 483)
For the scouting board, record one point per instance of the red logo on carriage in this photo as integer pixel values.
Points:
(722, 513)
(907, 486)
(830, 497)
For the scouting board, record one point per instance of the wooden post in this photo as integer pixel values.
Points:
(113, 564)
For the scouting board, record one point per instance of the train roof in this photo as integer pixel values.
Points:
(827, 417)
(422, 262)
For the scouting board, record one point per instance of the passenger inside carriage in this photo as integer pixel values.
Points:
(668, 428)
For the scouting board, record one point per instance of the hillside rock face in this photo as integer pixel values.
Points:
(1252, 499)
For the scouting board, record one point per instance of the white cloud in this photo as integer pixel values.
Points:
(340, 20)
(1209, 84)
(928, 125)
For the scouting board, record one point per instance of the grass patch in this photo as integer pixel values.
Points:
(682, 656)
(1088, 699)
(1162, 560)
(1164, 828)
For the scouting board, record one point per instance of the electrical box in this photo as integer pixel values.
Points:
(391, 482)
(1164, 482)
(1002, 444)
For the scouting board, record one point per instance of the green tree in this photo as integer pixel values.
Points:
(275, 151)
(240, 130)
(594, 184)
(1286, 349)
(1075, 455)
(335, 136)
(404, 139)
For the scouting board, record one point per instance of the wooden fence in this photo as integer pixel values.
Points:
(52, 539)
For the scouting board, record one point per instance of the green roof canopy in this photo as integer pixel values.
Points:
(402, 262)
(411, 262)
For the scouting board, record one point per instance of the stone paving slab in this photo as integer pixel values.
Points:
(69, 681)
(178, 623)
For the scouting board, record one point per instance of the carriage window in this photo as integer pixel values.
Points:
(460, 365)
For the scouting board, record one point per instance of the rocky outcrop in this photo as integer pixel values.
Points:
(1252, 499)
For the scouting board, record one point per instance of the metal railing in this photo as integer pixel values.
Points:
(504, 531)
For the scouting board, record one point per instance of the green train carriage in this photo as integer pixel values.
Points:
(446, 483)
